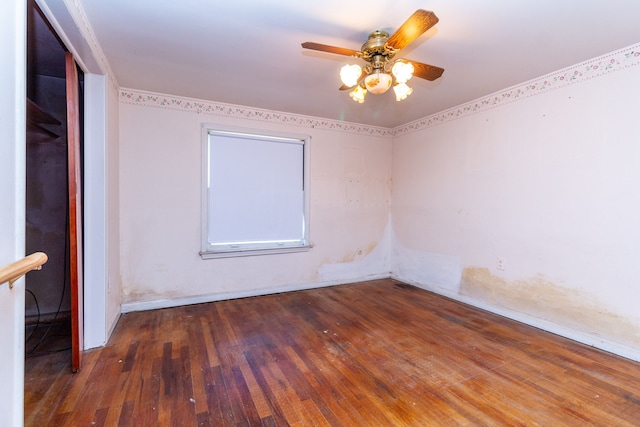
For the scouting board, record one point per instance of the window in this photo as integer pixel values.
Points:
(255, 192)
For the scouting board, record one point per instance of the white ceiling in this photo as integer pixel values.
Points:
(248, 52)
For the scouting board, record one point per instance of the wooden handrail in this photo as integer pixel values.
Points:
(12, 272)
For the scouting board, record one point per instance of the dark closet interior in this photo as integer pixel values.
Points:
(47, 299)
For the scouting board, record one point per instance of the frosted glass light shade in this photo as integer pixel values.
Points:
(402, 91)
(402, 71)
(350, 74)
(378, 82)
(358, 94)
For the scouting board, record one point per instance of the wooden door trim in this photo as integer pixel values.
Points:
(75, 211)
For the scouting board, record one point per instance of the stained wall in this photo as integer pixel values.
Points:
(160, 205)
(526, 203)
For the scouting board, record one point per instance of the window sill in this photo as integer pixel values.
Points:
(253, 252)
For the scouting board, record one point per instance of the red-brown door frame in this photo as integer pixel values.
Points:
(75, 212)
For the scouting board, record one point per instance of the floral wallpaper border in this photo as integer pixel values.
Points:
(149, 99)
(615, 61)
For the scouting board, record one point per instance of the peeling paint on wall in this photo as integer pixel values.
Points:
(538, 297)
(359, 260)
(357, 254)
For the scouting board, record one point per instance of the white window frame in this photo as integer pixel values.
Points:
(225, 249)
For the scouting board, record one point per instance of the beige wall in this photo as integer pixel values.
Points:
(160, 189)
(550, 185)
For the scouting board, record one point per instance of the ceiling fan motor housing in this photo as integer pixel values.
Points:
(375, 51)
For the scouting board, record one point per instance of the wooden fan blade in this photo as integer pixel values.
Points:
(413, 28)
(426, 71)
(330, 49)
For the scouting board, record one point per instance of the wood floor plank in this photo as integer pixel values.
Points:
(356, 397)
(379, 353)
(100, 417)
(42, 385)
(200, 359)
(126, 414)
(217, 398)
(255, 391)
(286, 396)
(271, 400)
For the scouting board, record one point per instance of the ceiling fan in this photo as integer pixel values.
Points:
(381, 70)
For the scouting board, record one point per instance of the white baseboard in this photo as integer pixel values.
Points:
(581, 337)
(221, 296)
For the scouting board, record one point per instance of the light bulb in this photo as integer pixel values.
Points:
(358, 94)
(402, 71)
(402, 91)
(350, 74)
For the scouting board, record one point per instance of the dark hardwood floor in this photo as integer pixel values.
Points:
(378, 353)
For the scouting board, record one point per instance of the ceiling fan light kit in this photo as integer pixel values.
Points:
(358, 94)
(402, 71)
(350, 74)
(381, 71)
(378, 82)
(402, 90)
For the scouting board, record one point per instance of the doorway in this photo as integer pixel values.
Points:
(49, 301)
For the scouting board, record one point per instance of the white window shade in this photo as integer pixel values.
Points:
(256, 193)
